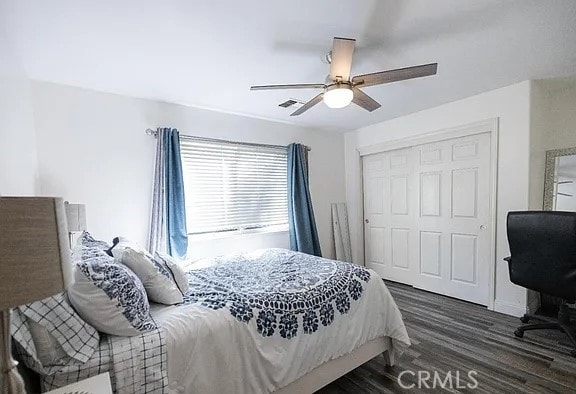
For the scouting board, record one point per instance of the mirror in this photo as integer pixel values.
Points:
(560, 180)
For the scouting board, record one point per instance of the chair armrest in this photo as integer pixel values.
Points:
(508, 258)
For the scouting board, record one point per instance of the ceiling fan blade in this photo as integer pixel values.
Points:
(289, 86)
(399, 74)
(342, 51)
(308, 105)
(363, 100)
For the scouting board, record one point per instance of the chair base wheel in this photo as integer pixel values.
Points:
(518, 333)
(524, 319)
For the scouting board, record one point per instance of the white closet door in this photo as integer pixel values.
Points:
(389, 219)
(454, 217)
(427, 216)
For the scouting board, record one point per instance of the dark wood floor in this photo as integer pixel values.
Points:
(452, 335)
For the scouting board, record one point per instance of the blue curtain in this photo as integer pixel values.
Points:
(168, 228)
(303, 233)
(177, 240)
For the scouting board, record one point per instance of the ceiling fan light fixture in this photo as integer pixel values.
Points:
(338, 96)
(340, 88)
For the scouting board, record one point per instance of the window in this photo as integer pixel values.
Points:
(233, 186)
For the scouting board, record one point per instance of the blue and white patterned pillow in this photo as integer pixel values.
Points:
(88, 241)
(110, 297)
(155, 275)
(88, 247)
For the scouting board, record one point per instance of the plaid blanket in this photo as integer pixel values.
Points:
(136, 364)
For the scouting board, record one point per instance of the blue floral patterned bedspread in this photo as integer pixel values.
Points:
(288, 293)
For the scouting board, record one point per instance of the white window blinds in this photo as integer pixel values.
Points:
(233, 186)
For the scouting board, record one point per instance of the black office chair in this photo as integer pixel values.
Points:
(543, 258)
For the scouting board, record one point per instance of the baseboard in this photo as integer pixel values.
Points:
(509, 309)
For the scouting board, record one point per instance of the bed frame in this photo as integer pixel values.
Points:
(334, 369)
(309, 383)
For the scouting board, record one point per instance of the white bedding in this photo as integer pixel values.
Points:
(210, 351)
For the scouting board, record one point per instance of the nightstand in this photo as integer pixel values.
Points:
(99, 384)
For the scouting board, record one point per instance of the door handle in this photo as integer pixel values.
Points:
(482, 227)
(367, 221)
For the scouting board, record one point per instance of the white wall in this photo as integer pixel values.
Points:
(92, 149)
(552, 126)
(511, 105)
(18, 163)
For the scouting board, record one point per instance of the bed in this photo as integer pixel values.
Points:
(268, 321)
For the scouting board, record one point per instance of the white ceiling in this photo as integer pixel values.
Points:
(208, 53)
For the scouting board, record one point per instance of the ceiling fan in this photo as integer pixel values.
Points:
(339, 90)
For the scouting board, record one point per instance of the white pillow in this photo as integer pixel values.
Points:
(110, 297)
(177, 271)
(155, 275)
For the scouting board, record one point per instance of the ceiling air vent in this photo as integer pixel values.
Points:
(291, 102)
(287, 103)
